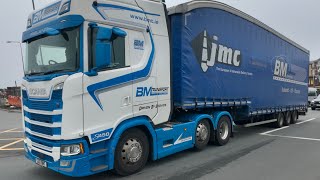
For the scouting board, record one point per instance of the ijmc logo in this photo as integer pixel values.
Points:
(209, 52)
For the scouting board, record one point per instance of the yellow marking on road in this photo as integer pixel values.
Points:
(8, 130)
(10, 144)
(12, 149)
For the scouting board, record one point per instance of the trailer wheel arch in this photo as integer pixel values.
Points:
(218, 115)
(143, 123)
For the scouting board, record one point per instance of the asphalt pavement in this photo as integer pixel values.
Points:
(255, 153)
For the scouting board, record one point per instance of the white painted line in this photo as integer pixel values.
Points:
(12, 149)
(9, 139)
(8, 130)
(274, 130)
(306, 121)
(14, 131)
(292, 137)
(10, 144)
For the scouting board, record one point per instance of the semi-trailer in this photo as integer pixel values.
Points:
(110, 84)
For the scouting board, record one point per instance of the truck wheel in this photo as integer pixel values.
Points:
(202, 134)
(288, 118)
(223, 131)
(131, 153)
(294, 117)
(280, 121)
(313, 108)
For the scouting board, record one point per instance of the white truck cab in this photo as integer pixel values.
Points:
(90, 66)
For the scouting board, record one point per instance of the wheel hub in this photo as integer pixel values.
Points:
(202, 132)
(224, 130)
(131, 151)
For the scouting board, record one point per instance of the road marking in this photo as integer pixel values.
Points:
(8, 130)
(274, 130)
(12, 149)
(10, 144)
(306, 121)
(292, 137)
(9, 139)
(14, 131)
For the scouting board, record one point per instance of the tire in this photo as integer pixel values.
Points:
(131, 153)
(223, 132)
(280, 121)
(313, 108)
(202, 134)
(294, 117)
(288, 118)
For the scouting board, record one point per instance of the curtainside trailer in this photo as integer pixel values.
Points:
(110, 84)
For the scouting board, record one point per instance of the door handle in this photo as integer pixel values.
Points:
(126, 101)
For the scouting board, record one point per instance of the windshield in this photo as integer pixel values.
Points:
(312, 93)
(52, 54)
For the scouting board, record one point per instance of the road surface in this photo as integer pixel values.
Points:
(256, 153)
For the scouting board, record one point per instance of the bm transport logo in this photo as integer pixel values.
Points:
(287, 72)
(208, 51)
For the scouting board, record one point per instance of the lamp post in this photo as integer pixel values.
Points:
(21, 51)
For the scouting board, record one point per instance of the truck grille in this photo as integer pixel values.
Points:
(43, 118)
(43, 124)
(40, 116)
(43, 130)
(54, 103)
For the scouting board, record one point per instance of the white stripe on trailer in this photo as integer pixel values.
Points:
(259, 123)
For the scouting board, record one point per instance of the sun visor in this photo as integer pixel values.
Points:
(58, 24)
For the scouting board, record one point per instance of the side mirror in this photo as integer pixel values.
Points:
(103, 54)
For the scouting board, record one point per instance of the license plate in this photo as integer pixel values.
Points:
(41, 162)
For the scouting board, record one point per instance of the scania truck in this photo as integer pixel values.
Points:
(111, 84)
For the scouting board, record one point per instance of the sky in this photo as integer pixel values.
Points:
(296, 19)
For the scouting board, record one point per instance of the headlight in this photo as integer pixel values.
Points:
(71, 150)
(58, 86)
(312, 101)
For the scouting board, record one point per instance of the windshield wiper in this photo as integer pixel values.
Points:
(58, 70)
(34, 73)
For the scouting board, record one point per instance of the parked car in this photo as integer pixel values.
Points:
(315, 103)
(312, 94)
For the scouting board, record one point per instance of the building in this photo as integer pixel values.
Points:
(314, 73)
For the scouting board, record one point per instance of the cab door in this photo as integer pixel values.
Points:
(108, 85)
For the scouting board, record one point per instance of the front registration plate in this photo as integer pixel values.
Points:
(41, 162)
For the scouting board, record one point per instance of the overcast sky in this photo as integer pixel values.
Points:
(296, 19)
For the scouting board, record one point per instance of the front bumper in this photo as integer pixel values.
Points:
(75, 166)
